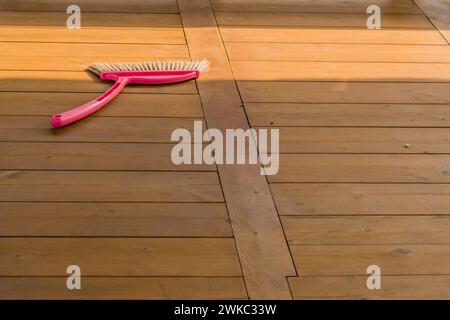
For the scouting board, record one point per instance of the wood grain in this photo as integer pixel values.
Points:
(98, 186)
(119, 257)
(123, 288)
(414, 287)
(361, 199)
(363, 230)
(373, 168)
(46, 219)
(338, 114)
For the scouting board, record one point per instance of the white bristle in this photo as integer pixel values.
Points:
(199, 65)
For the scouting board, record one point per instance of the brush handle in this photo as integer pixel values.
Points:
(78, 113)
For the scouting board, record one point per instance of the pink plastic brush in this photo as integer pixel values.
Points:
(153, 72)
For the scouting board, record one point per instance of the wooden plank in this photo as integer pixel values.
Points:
(438, 11)
(125, 105)
(91, 20)
(338, 52)
(340, 71)
(370, 115)
(99, 35)
(344, 92)
(119, 257)
(331, 35)
(92, 156)
(363, 140)
(44, 219)
(105, 186)
(63, 63)
(123, 288)
(326, 6)
(100, 51)
(259, 237)
(346, 260)
(367, 230)
(71, 81)
(398, 168)
(361, 199)
(354, 287)
(133, 6)
(353, 20)
(94, 129)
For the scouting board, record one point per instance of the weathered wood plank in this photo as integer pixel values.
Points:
(340, 71)
(119, 257)
(361, 199)
(367, 230)
(45, 219)
(132, 6)
(349, 260)
(338, 52)
(101, 186)
(92, 156)
(94, 129)
(397, 168)
(363, 140)
(124, 105)
(354, 287)
(349, 20)
(327, 6)
(100, 51)
(71, 81)
(92, 20)
(331, 35)
(123, 288)
(344, 92)
(438, 11)
(335, 114)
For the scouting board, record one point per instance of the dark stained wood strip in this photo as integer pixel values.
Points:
(119, 257)
(123, 288)
(52, 219)
(106, 186)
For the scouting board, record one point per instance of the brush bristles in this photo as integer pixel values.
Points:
(199, 65)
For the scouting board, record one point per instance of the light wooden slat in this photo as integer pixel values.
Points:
(396, 168)
(344, 92)
(42, 34)
(338, 52)
(35, 219)
(355, 20)
(364, 140)
(354, 287)
(133, 6)
(331, 260)
(361, 199)
(101, 186)
(100, 51)
(331, 35)
(66, 63)
(119, 257)
(367, 230)
(377, 115)
(327, 6)
(94, 129)
(438, 11)
(71, 81)
(92, 156)
(91, 20)
(340, 71)
(123, 288)
(258, 233)
(124, 105)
